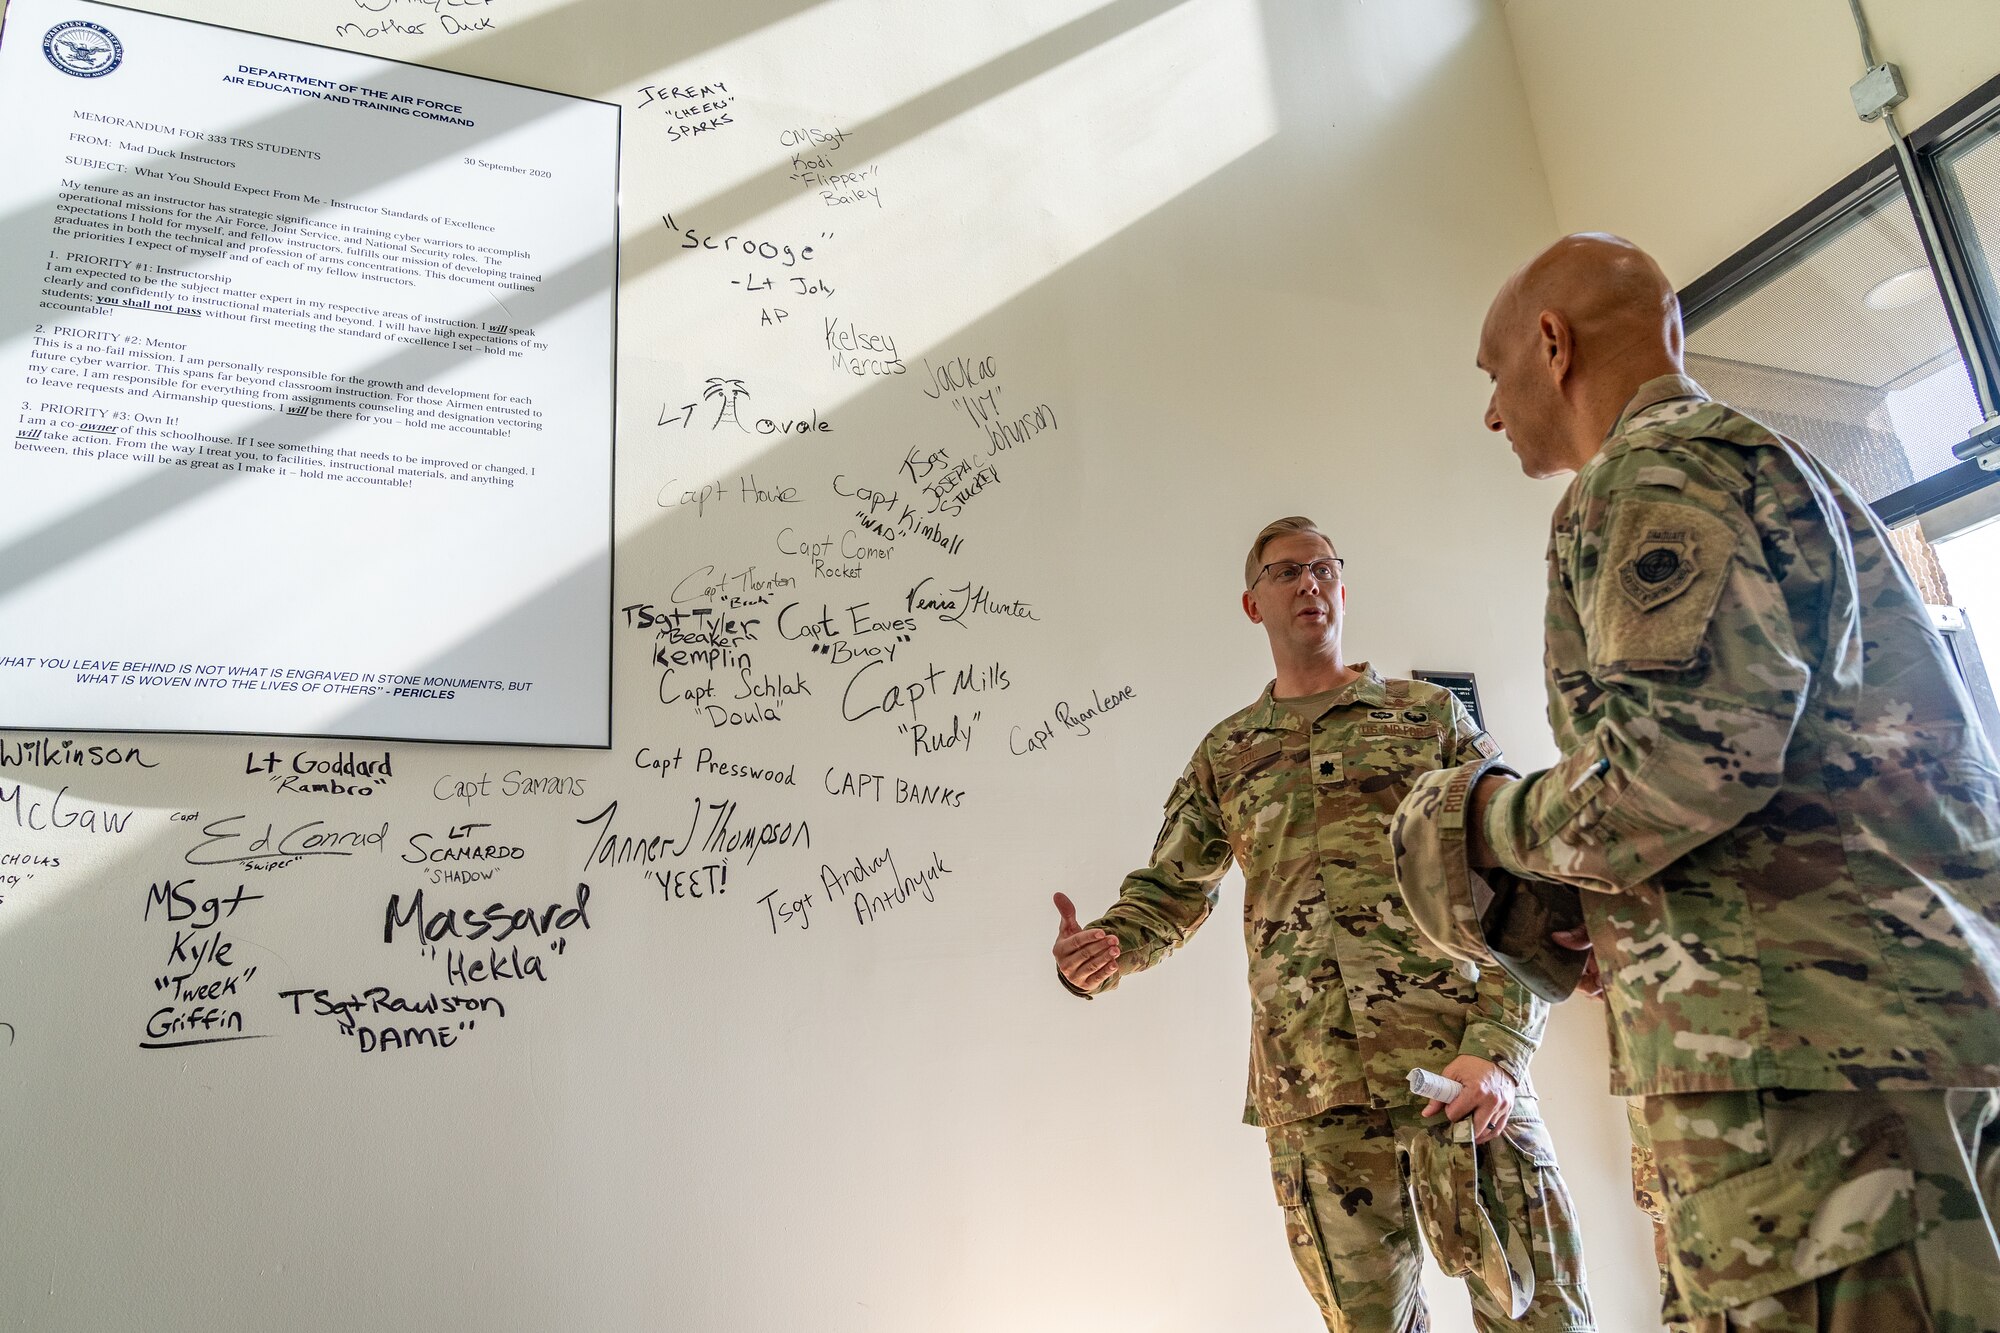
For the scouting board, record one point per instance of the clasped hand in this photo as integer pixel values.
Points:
(1487, 1095)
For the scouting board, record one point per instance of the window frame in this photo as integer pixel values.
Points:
(1928, 143)
(1949, 264)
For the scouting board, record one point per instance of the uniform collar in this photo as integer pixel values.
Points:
(1660, 389)
(1273, 714)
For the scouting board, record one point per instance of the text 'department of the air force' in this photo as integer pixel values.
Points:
(307, 366)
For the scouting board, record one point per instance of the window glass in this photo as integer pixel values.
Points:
(1969, 170)
(1843, 344)
(1971, 563)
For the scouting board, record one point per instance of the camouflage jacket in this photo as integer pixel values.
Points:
(1770, 772)
(1345, 996)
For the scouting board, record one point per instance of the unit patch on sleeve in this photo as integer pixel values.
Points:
(1669, 562)
(1660, 567)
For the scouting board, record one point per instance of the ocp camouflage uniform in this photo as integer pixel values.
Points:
(1646, 1188)
(1771, 779)
(1346, 999)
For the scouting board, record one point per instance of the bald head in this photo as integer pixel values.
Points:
(1612, 294)
(1569, 339)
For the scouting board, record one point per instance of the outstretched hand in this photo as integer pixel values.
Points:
(1086, 958)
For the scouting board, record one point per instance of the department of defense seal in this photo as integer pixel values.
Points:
(83, 49)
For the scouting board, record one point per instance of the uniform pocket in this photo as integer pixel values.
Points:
(1308, 1246)
(1529, 1138)
(1178, 800)
(1786, 1223)
(1254, 775)
(1388, 757)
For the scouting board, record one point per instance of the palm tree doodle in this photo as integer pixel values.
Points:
(728, 391)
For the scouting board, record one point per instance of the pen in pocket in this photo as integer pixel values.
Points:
(1596, 770)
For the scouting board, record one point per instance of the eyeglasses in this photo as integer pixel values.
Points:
(1286, 572)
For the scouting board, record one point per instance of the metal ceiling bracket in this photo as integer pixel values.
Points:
(1983, 444)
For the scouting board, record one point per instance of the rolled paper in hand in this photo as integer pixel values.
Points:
(1435, 1086)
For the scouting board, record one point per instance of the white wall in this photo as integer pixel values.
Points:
(1242, 250)
(1692, 127)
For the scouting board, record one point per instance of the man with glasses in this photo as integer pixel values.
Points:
(1346, 998)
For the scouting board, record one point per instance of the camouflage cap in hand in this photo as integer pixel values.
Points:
(1445, 1167)
(1485, 917)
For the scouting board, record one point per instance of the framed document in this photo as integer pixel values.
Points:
(1461, 684)
(308, 358)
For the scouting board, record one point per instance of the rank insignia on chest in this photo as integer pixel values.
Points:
(1661, 565)
(1327, 768)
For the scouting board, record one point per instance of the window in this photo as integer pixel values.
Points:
(1968, 173)
(1832, 328)
(1842, 343)
(1970, 561)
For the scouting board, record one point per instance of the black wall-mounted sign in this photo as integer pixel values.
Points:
(1461, 684)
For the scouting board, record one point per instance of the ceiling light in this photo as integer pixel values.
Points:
(1905, 289)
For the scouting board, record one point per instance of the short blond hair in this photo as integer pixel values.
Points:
(1296, 525)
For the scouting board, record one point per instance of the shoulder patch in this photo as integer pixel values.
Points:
(1658, 562)
(1488, 747)
(1661, 575)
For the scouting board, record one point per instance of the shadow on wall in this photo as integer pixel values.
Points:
(660, 544)
(1120, 338)
(40, 551)
(1203, 210)
(1107, 308)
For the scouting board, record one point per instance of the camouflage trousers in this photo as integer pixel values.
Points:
(1353, 1189)
(1824, 1212)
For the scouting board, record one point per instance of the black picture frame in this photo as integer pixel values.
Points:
(1464, 687)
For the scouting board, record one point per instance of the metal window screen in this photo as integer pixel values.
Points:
(1843, 345)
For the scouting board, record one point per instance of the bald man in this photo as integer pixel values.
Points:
(1782, 815)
